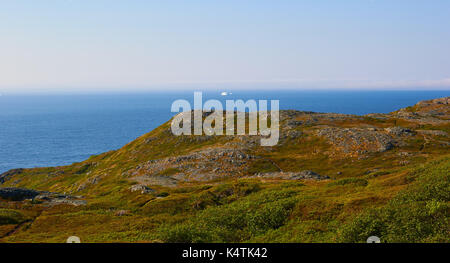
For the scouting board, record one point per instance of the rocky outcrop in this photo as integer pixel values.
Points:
(303, 175)
(141, 188)
(89, 182)
(49, 198)
(439, 101)
(7, 175)
(357, 141)
(399, 131)
(290, 134)
(434, 112)
(166, 181)
(204, 165)
(433, 133)
(18, 194)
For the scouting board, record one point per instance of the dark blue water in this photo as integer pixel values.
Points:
(53, 130)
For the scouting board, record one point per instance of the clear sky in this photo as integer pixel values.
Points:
(142, 44)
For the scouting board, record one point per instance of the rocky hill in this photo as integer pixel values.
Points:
(328, 172)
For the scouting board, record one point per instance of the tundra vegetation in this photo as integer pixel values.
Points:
(331, 178)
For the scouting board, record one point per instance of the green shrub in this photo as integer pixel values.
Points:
(234, 222)
(270, 216)
(238, 189)
(162, 194)
(84, 168)
(183, 233)
(8, 216)
(418, 214)
(203, 200)
(262, 166)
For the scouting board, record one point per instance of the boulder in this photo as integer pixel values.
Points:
(141, 188)
(399, 131)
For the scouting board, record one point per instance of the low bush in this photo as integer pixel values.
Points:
(418, 214)
(8, 216)
(350, 181)
(235, 222)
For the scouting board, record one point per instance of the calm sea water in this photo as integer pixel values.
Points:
(53, 130)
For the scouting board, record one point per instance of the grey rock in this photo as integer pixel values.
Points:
(303, 175)
(355, 141)
(399, 131)
(204, 165)
(142, 189)
(49, 198)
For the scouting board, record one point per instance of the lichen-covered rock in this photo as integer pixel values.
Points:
(399, 131)
(439, 101)
(433, 132)
(204, 165)
(290, 134)
(352, 142)
(434, 112)
(303, 175)
(89, 182)
(141, 188)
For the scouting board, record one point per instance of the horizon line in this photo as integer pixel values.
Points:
(287, 84)
(142, 91)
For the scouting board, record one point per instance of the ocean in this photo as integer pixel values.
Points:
(54, 130)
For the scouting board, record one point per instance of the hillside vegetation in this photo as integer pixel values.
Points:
(331, 178)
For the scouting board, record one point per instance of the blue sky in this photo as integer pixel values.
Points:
(140, 44)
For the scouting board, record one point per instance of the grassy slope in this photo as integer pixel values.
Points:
(363, 199)
(274, 211)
